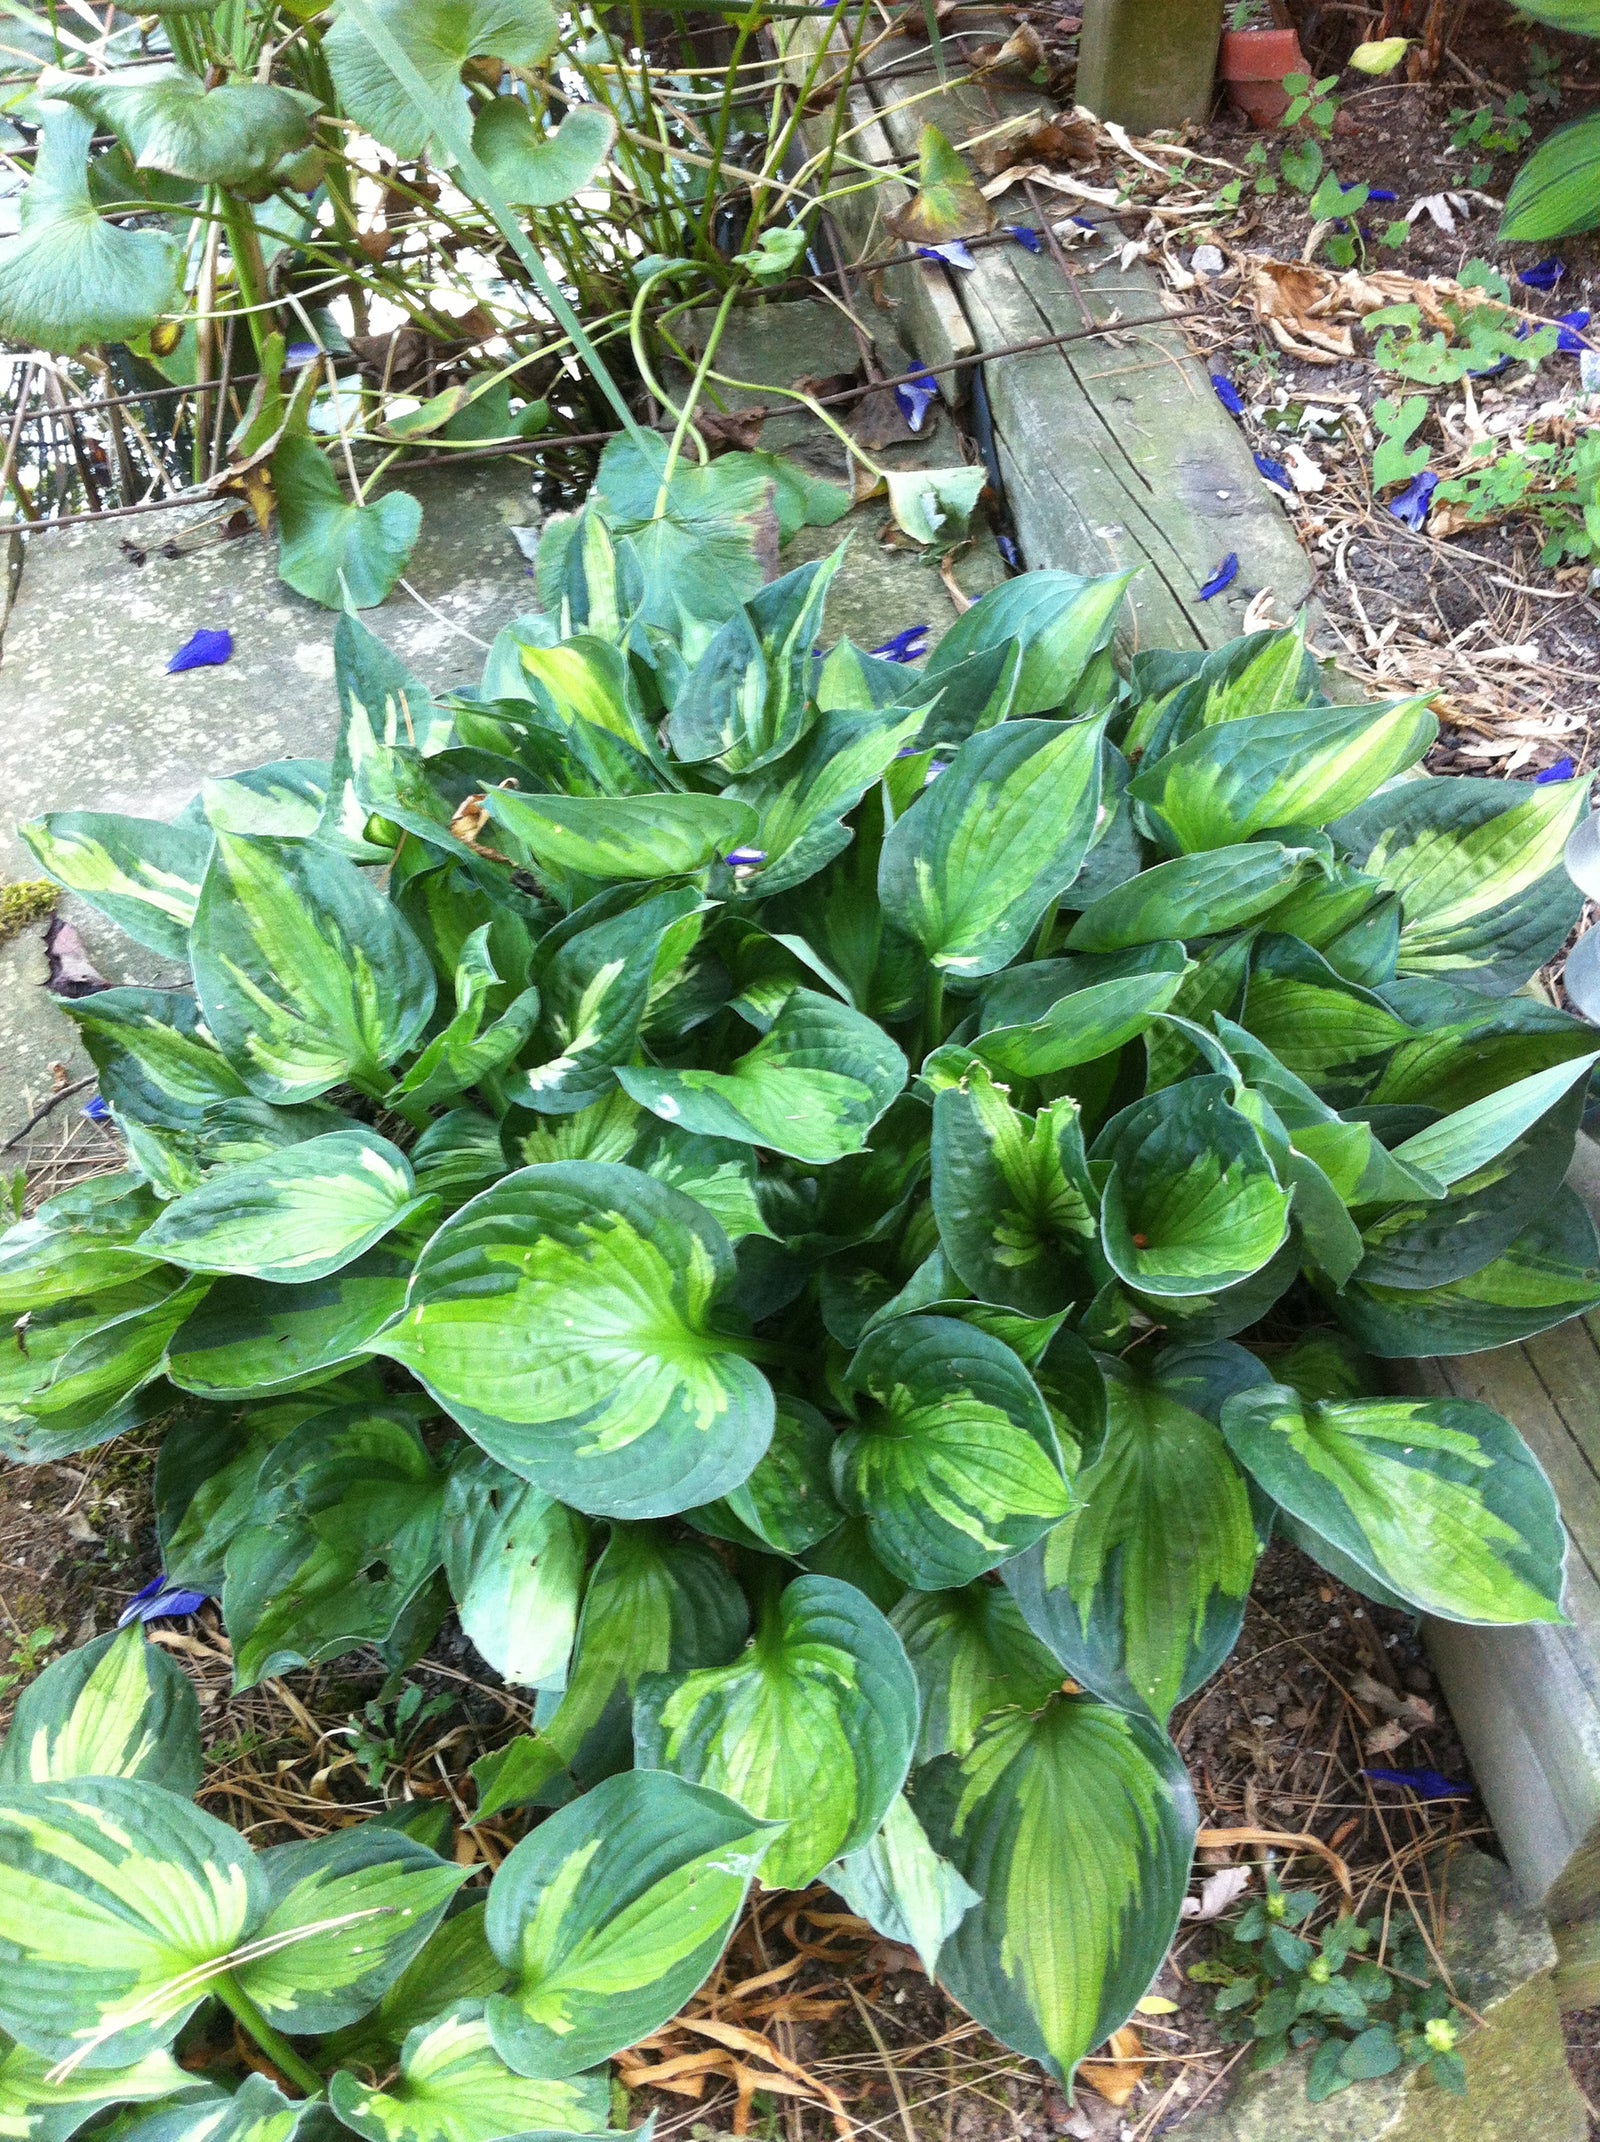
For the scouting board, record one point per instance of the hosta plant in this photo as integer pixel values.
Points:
(828, 1209)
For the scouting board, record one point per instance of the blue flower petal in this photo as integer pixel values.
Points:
(300, 353)
(1563, 770)
(96, 1110)
(203, 651)
(1029, 240)
(1411, 505)
(1543, 275)
(1381, 193)
(908, 646)
(161, 1600)
(1224, 577)
(953, 252)
(1426, 1784)
(1571, 341)
(1275, 473)
(914, 396)
(1009, 551)
(1228, 394)
(745, 858)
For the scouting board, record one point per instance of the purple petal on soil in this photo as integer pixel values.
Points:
(1224, 577)
(1571, 339)
(1543, 275)
(1411, 505)
(161, 1600)
(1426, 1784)
(1228, 394)
(1029, 240)
(204, 650)
(1563, 770)
(1275, 473)
(914, 396)
(1381, 193)
(953, 252)
(907, 646)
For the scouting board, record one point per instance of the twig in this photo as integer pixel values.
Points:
(39, 1114)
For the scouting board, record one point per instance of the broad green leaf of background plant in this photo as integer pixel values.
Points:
(116, 1707)
(1140, 1591)
(632, 837)
(565, 1319)
(249, 1339)
(902, 1888)
(947, 203)
(514, 1560)
(112, 1891)
(812, 1727)
(955, 1466)
(454, 2087)
(306, 975)
(787, 1503)
(438, 37)
(232, 135)
(1302, 768)
(1075, 1826)
(813, 1087)
(141, 874)
(747, 700)
(69, 278)
(1557, 191)
(712, 547)
(1439, 1499)
(1017, 1212)
(301, 1214)
(971, 866)
(373, 1897)
(34, 2110)
(535, 169)
(1192, 896)
(972, 1653)
(1190, 1204)
(611, 1914)
(933, 506)
(1059, 621)
(77, 1242)
(330, 548)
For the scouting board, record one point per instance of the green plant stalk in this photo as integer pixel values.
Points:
(724, 126)
(933, 1010)
(248, 266)
(446, 124)
(822, 164)
(277, 2048)
(696, 386)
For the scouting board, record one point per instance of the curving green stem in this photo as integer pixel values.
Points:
(276, 2047)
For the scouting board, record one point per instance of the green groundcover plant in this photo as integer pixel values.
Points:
(829, 1209)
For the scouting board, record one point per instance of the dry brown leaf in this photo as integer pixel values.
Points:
(1118, 2078)
(1291, 1840)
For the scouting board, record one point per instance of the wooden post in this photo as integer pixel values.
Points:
(1148, 63)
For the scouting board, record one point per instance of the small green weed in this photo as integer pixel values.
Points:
(28, 1654)
(380, 1734)
(1489, 133)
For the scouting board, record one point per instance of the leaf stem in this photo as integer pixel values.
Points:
(276, 2047)
(933, 1010)
(696, 386)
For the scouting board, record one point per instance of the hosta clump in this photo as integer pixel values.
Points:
(829, 1209)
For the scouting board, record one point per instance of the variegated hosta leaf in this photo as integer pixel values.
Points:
(116, 1707)
(1075, 1825)
(286, 796)
(466, 1052)
(628, 837)
(955, 1466)
(306, 974)
(250, 1339)
(787, 1504)
(301, 1214)
(972, 865)
(1140, 1592)
(746, 701)
(117, 1899)
(1059, 621)
(566, 1319)
(455, 1964)
(257, 2111)
(1439, 1499)
(1191, 1205)
(801, 804)
(84, 1370)
(1012, 1195)
(454, 2087)
(972, 1653)
(812, 1088)
(718, 1173)
(514, 1560)
(350, 1911)
(1046, 1017)
(1302, 768)
(902, 1888)
(78, 1242)
(812, 1727)
(611, 1914)
(139, 872)
(157, 1064)
(1192, 896)
(382, 706)
(34, 2110)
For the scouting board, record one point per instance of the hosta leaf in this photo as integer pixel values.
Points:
(70, 278)
(956, 1466)
(1303, 768)
(1190, 1204)
(787, 1503)
(812, 1727)
(514, 1560)
(971, 866)
(1555, 192)
(801, 804)
(247, 1338)
(438, 37)
(454, 2087)
(232, 135)
(257, 2111)
(345, 1536)
(205, 1479)
(112, 1892)
(1193, 896)
(716, 1172)
(455, 1964)
(1140, 1591)
(77, 1242)
(611, 1915)
(361, 1903)
(34, 2110)
(624, 836)
(301, 1214)
(330, 548)
(85, 1370)
(1329, 1032)
(293, 1011)
(902, 1888)
(746, 701)
(565, 1319)
(1012, 1196)
(1046, 1017)
(381, 706)
(156, 1062)
(1463, 1143)
(138, 872)
(1477, 866)
(1439, 1499)
(117, 1707)
(1059, 621)
(466, 1053)
(535, 169)
(286, 797)
(972, 1654)
(813, 1087)
(1075, 1826)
